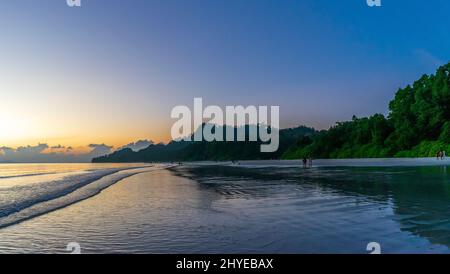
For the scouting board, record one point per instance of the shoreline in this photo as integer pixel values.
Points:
(361, 162)
(350, 162)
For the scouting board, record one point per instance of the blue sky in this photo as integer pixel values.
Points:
(111, 71)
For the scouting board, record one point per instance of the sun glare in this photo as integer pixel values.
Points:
(12, 129)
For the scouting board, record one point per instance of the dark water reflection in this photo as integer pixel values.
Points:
(238, 209)
(419, 197)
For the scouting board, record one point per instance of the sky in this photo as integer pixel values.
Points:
(109, 73)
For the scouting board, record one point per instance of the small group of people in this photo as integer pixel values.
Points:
(307, 162)
(440, 155)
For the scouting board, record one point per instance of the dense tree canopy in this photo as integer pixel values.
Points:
(418, 124)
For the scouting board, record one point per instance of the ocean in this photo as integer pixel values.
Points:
(251, 207)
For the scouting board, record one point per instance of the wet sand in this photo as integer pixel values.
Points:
(207, 209)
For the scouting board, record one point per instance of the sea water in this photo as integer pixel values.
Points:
(257, 207)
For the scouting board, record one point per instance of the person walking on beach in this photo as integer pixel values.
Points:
(310, 160)
(440, 155)
(305, 161)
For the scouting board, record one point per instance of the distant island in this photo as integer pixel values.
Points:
(418, 125)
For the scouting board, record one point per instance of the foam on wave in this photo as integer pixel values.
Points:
(20, 203)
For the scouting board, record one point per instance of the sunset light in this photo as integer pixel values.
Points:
(206, 132)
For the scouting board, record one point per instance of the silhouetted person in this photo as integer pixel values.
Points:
(440, 155)
(305, 162)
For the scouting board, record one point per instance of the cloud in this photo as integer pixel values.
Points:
(99, 150)
(58, 147)
(139, 145)
(28, 152)
(43, 153)
(5, 150)
(31, 150)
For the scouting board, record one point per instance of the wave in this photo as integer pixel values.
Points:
(27, 175)
(23, 202)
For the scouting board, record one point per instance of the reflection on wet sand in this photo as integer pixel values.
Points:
(238, 209)
(419, 196)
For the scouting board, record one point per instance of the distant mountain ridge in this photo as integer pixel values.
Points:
(207, 151)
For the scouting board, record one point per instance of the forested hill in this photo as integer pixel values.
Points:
(208, 151)
(418, 125)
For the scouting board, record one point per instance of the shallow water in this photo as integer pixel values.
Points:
(24, 170)
(30, 190)
(248, 209)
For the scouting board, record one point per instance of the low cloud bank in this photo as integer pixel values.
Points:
(43, 153)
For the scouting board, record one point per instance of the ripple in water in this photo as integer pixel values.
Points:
(224, 209)
(27, 196)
